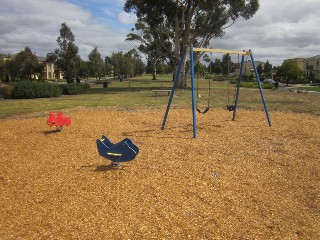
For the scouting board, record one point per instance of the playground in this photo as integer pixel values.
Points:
(238, 180)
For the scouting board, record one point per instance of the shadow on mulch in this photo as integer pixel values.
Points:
(153, 134)
(51, 131)
(101, 168)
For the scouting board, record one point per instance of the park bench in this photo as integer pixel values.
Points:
(162, 90)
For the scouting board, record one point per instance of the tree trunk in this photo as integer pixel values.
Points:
(177, 42)
(186, 23)
(154, 72)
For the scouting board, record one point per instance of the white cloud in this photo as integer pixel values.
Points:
(36, 23)
(127, 18)
(280, 29)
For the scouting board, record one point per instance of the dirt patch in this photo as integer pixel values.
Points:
(238, 180)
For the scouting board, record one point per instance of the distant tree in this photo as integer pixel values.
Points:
(78, 64)
(226, 63)
(162, 67)
(267, 67)
(200, 69)
(83, 71)
(96, 65)
(51, 57)
(122, 65)
(108, 65)
(154, 42)
(207, 59)
(138, 65)
(217, 66)
(4, 70)
(67, 53)
(290, 72)
(127, 65)
(260, 69)
(25, 65)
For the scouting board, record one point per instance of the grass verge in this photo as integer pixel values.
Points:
(137, 92)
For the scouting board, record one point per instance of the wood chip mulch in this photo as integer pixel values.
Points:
(238, 180)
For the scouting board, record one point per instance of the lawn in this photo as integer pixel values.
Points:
(137, 92)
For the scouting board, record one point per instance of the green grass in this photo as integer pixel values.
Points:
(137, 92)
(316, 89)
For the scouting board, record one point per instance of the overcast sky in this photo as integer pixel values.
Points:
(280, 29)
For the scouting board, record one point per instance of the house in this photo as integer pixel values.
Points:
(48, 72)
(247, 68)
(309, 66)
(299, 61)
(312, 67)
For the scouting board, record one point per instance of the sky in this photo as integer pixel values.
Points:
(279, 30)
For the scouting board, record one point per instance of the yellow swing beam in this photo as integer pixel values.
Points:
(245, 53)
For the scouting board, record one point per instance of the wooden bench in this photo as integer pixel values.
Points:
(162, 90)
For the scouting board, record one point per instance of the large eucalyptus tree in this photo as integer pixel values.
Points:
(153, 42)
(191, 21)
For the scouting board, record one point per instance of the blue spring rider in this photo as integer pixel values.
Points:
(123, 151)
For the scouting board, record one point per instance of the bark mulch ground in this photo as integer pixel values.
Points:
(238, 180)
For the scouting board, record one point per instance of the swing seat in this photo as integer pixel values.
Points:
(230, 108)
(204, 111)
(122, 151)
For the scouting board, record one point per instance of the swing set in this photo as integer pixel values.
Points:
(233, 107)
(208, 100)
(207, 108)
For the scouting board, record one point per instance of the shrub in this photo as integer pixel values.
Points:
(45, 90)
(6, 90)
(209, 77)
(255, 85)
(268, 86)
(23, 90)
(28, 89)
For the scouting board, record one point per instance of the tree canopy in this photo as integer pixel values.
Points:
(191, 21)
(4, 71)
(67, 53)
(154, 43)
(25, 65)
(290, 71)
(96, 65)
(125, 64)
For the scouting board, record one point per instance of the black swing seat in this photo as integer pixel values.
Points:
(123, 151)
(204, 111)
(230, 108)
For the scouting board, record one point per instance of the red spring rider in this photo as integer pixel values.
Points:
(59, 120)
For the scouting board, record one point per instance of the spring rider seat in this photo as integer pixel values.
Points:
(58, 120)
(122, 151)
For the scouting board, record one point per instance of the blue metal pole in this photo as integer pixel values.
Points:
(183, 54)
(194, 117)
(238, 89)
(260, 88)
